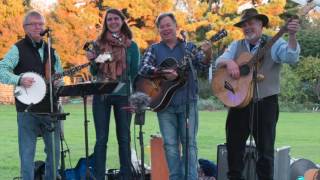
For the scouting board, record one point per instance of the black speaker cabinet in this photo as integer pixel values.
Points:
(281, 163)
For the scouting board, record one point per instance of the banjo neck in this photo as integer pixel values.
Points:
(101, 58)
(70, 71)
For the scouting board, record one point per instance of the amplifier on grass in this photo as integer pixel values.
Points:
(281, 163)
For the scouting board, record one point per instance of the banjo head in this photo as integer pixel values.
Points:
(33, 94)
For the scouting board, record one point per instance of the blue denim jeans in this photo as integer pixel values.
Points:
(101, 107)
(30, 126)
(173, 130)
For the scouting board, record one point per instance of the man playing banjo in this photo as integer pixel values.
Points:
(31, 55)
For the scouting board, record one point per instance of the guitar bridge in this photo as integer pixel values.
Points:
(228, 86)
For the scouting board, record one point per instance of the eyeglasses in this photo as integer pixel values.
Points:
(34, 24)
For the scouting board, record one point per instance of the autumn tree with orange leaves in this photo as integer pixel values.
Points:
(73, 24)
(76, 21)
(11, 13)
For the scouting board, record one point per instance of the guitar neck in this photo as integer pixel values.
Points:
(70, 71)
(302, 12)
(261, 52)
(270, 43)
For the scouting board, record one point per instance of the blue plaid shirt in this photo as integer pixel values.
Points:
(157, 53)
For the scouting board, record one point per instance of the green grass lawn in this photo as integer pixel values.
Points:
(301, 131)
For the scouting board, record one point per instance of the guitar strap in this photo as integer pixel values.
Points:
(46, 71)
(46, 61)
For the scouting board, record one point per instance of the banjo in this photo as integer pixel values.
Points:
(38, 90)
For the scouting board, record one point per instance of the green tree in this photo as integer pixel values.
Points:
(309, 72)
(290, 85)
(299, 83)
(309, 38)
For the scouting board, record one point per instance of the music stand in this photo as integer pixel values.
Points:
(83, 90)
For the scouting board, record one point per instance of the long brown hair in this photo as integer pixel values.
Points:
(124, 29)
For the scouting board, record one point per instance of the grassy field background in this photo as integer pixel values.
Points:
(300, 131)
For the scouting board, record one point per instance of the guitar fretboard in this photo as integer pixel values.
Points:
(70, 71)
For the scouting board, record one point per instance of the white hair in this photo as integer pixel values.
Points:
(32, 13)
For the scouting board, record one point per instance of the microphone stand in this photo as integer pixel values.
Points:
(54, 116)
(63, 152)
(139, 120)
(62, 156)
(251, 157)
(48, 32)
(190, 68)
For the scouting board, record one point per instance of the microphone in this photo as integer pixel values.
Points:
(116, 36)
(42, 33)
(139, 101)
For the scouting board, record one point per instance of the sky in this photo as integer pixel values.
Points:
(44, 5)
(305, 1)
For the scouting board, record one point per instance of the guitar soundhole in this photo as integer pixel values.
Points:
(244, 70)
(169, 63)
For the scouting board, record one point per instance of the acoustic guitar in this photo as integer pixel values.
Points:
(239, 92)
(161, 90)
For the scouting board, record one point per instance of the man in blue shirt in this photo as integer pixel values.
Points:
(30, 55)
(260, 121)
(172, 120)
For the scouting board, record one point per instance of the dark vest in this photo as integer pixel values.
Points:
(30, 61)
(269, 68)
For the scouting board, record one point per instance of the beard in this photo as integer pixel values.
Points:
(251, 37)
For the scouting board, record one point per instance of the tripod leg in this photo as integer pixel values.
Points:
(62, 156)
(142, 152)
(89, 176)
(52, 147)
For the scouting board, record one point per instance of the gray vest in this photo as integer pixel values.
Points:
(269, 68)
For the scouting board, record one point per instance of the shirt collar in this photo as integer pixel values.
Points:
(35, 44)
(255, 47)
(179, 42)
